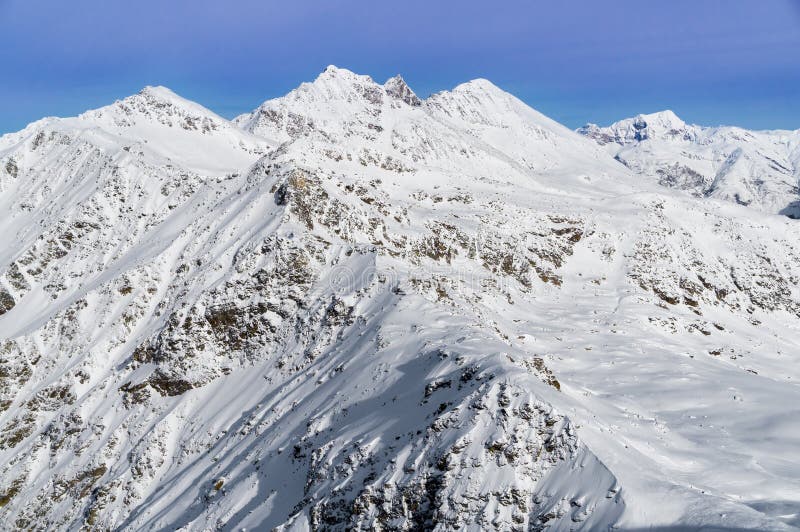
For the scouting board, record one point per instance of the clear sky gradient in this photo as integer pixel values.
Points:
(711, 61)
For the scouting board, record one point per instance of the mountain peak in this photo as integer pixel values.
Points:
(479, 86)
(158, 91)
(667, 119)
(155, 98)
(336, 84)
(158, 96)
(334, 98)
(334, 73)
(198, 138)
(661, 124)
(397, 87)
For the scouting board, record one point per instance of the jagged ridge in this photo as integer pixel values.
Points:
(380, 311)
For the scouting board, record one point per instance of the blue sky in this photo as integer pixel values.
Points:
(711, 61)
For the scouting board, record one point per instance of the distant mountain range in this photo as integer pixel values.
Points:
(754, 168)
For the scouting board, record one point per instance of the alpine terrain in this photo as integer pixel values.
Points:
(757, 168)
(356, 309)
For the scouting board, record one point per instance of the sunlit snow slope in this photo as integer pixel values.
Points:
(356, 309)
(756, 168)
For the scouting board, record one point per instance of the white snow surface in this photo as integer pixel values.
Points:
(357, 309)
(760, 169)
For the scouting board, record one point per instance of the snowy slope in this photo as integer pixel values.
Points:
(756, 168)
(368, 310)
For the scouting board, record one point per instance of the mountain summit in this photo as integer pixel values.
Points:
(640, 128)
(353, 309)
(398, 89)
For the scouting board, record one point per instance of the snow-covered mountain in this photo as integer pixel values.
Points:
(756, 168)
(360, 309)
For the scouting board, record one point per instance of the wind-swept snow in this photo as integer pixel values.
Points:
(353, 308)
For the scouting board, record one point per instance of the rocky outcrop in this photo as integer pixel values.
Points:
(373, 311)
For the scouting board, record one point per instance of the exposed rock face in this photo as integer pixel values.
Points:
(398, 89)
(6, 302)
(365, 310)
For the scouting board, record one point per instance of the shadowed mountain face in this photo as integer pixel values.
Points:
(353, 308)
(760, 169)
